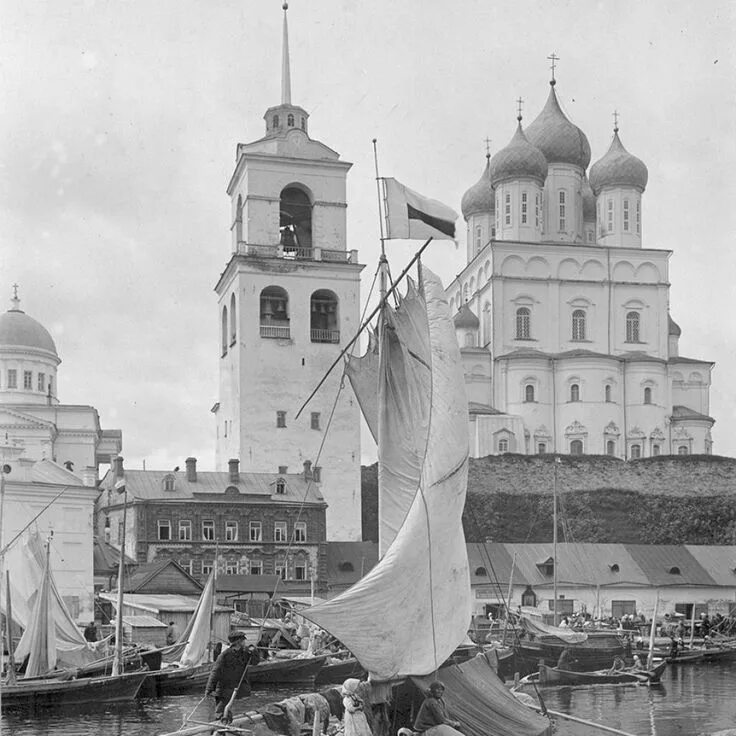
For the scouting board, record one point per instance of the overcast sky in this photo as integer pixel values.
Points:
(120, 121)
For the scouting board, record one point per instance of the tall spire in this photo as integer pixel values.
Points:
(285, 71)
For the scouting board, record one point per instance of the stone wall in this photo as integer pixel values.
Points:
(687, 475)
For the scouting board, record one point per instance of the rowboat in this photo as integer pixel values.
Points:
(554, 676)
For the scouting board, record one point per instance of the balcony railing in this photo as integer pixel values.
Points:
(325, 335)
(295, 253)
(276, 332)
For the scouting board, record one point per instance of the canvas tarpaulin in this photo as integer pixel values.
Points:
(476, 697)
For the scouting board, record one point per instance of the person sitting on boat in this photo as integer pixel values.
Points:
(228, 675)
(618, 665)
(172, 633)
(637, 663)
(355, 720)
(674, 646)
(432, 718)
(565, 660)
(564, 624)
(90, 631)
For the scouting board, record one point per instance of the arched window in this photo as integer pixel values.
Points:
(656, 449)
(683, 450)
(239, 220)
(632, 327)
(295, 222)
(647, 395)
(610, 447)
(233, 321)
(575, 392)
(503, 445)
(224, 331)
(608, 393)
(529, 392)
(275, 121)
(523, 323)
(481, 572)
(576, 447)
(303, 123)
(324, 324)
(578, 324)
(290, 120)
(635, 451)
(169, 483)
(274, 314)
(563, 211)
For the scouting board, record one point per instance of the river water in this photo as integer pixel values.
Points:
(694, 699)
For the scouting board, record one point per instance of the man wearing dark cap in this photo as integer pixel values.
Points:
(432, 718)
(228, 675)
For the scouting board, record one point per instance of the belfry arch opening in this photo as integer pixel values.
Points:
(274, 315)
(324, 320)
(295, 221)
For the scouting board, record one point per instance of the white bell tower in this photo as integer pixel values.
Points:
(288, 302)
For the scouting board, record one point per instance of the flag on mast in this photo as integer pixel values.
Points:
(412, 216)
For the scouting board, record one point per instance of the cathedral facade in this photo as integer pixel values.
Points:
(562, 313)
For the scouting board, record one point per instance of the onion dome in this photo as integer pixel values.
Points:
(465, 319)
(479, 198)
(589, 213)
(519, 159)
(672, 327)
(561, 141)
(19, 331)
(618, 168)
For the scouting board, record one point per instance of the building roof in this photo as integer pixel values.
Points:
(669, 564)
(106, 558)
(719, 561)
(480, 197)
(519, 159)
(684, 412)
(146, 574)
(498, 563)
(682, 359)
(634, 356)
(215, 485)
(18, 330)
(475, 408)
(47, 471)
(161, 604)
(249, 583)
(618, 168)
(560, 140)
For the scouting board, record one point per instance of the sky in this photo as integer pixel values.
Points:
(119, 126)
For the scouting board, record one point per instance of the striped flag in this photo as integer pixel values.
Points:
(412, 216)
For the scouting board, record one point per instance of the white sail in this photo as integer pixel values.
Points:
(199, 630)
(409, 613)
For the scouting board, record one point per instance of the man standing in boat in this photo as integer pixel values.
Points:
(228, 676)
(432, 718)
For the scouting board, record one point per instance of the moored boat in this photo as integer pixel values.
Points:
(554, 676)
(296, 670)
(335, 670)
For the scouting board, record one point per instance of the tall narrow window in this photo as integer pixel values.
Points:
(503, 445)
(536, 210)
(279, 531)
(12, 378)
(563, 211)
(632, 327)
(647, 395)
(303, 123)
(185, 530)
(41, 381)
(314, 422)
(290, 120)
(626, 215)
(275, 121)
(231, 531)
(523, 323)
(541, 448)
(498, 212)
(610, 447)
(656, 450)
(638, 216)
(254, 531)
(575, 392)
(224, 331)
(578, 324)
(27, 380)
(529, 392)
(164, 530)
(478, 238)
(233, 325)
(609, 223)
(608, 393)
(280, 419)
(507, 208)
(300, 531)
(208, 530)
(635, 451)
(576, 447)
(523, 208)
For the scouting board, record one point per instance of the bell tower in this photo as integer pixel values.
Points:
(288, 301)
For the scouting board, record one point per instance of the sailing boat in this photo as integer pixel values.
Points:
(48, 635)
(409, 613)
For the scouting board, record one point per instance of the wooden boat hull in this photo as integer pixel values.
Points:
(554, 676)
(286, 671)
(339, 672)
(51, 693)
(588, 656)
(175, 681)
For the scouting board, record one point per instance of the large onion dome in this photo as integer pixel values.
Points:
(589, 213)
(520, 159)
(466, 319)
(19, 331)
(561, 141)
(618, 168)
(479, 198)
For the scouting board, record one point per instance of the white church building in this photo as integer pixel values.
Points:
(288, 302)
(562, 313)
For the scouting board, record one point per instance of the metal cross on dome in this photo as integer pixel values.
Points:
(15, 300)
(553, 58)
(519, 104)
(615, 121)
(487, 141)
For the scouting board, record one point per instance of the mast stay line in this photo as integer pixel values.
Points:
(365, 324)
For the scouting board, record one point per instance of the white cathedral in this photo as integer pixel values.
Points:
(562, 314)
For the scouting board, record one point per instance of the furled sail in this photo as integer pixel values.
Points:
(198, 632)
(407, 615)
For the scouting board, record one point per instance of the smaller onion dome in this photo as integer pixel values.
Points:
(560, 140)
(672, 327)
(618, 168)
(466, 319)
(589, 213)
(479, 198)
(520, 159)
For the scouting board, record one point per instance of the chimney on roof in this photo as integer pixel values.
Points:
(307, 470)
(89, 477)
(118, 467)
(233, 466)
(191, 463)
